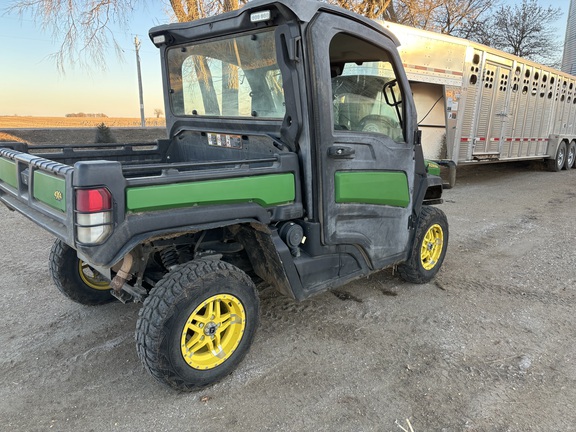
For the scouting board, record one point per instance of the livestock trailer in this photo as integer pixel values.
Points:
(477, 104)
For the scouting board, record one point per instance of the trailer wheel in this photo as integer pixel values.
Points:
(559, 161)
(429, 247)
(197, 324)
(570, 155)
(76, 279)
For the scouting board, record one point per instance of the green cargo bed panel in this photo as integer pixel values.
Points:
(50, 190)
(265, 190)
(8, 172)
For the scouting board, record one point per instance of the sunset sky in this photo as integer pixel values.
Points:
(30, 83)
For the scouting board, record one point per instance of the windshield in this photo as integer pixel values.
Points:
(233, 77)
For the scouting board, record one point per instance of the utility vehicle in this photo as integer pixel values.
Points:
(293, 157)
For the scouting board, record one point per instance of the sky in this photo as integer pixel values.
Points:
(30, 83)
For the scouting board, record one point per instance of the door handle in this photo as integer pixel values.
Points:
(341, 152)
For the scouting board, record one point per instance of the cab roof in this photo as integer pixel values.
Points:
(302, 10)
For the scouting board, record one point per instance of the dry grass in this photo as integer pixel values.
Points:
(4, 137)
(409, 426)
(25, 122)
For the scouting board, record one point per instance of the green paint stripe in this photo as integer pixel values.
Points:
(8, 172)
(266, 190)
(372, 187)
(50, 190)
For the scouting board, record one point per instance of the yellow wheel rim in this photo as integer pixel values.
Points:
(432, 247)
(91, 277)
(213, 331)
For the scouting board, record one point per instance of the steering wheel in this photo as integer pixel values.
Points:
(377, 124)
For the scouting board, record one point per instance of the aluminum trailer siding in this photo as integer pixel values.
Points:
(477, 104)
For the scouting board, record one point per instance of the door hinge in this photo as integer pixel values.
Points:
(412, 219)
(294, 48)
(417, 137)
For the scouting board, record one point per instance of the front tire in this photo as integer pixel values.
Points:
(75, 278)
(429, 247)
(197, 324)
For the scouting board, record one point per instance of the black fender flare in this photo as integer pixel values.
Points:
(138, 228)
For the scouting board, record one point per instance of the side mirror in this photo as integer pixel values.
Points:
(392, 93)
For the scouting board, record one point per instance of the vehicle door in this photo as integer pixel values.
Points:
(363, 118)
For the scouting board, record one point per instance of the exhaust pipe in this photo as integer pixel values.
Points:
(123, 274)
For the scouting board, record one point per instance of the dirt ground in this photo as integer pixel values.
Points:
(487, 347)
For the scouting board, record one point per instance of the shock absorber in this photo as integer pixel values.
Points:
(169, 257)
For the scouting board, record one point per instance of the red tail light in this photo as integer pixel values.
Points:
(93, 215)
(93, 200)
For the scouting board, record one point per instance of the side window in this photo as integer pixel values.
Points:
(365, 94)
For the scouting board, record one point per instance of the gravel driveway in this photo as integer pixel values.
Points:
(486, 347)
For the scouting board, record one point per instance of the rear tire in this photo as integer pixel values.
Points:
(559, 161)
(429, 247)
(75, 278)
(197, 324)
(570, 155)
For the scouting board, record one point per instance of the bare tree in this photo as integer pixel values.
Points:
(526, 30)
(83, 28)
(368, 8)
(455, 16)
(230, 77)
(158, 112)
(443, 16)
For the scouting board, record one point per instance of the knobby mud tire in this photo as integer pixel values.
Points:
(169, 311)
(417, 269)
(75, 279)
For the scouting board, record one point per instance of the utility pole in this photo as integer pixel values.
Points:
(137, 46)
